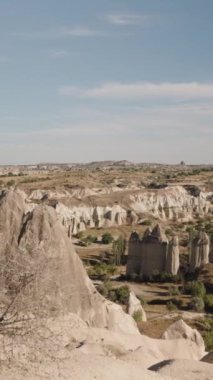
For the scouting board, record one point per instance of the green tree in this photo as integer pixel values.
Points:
(118, 248)
(107, 238)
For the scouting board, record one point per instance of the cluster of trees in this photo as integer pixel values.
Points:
(118, 245)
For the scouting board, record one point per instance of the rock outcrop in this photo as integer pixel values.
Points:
(37, 254)
(81, 209)
(185, 370)
(180, 330)
(172, 260)
(200, 247)
(170, 203)
(152, 253)
(135, 306)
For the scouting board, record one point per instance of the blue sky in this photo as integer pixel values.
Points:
(106, 79)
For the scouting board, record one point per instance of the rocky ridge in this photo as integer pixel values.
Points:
(80, 209)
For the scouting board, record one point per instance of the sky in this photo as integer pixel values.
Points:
(88, 80)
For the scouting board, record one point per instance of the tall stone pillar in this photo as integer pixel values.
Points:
(172, 260)
(199, 251)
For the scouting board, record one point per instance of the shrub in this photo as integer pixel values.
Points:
(208, 339)
(118, 248)
(119, 295)
(164, 277)
(107, 238)
(146, 222)
(205, 326)
(11, 183)
(209, 303)
(103, 289)
(112, 295)
(174, 291)
(79, 235)
(123, 294)
(197, 304)
(102, 270)
(195, 288)
(142, 300)
(91, 239)
(137, 316)
(171, 306)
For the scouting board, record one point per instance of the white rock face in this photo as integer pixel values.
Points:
(172, 202)
(152, 253)
(37, 245)
(173, 260)
(180, 330)
(79, 193)
(135, 306)
(80, 218)
(186, 370)
(200, 248)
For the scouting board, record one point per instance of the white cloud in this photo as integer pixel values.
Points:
(142, 90)
(144, 20)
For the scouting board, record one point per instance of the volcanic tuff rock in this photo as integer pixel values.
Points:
(173, 260)
(152, 253)
(43, 282)
(200, 247)
(36, 245)
(135, 306)
(186, 370)
(80, 209)
(180, 330)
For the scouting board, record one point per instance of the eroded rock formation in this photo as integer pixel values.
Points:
(200, 247)
(82, 209)
(135, 306)
(180, 330)
(152, 253)
(35, 249)
(172, 260)
(66, 329)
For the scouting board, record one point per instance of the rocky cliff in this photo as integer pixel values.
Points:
(87, 208)
(41, 271)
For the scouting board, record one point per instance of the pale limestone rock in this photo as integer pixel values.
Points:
(169, 203)
(135, 306)
(37, 243)
(199, 251)
(172, 260)
(148, 255)
(180, 330)
(185, 370)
